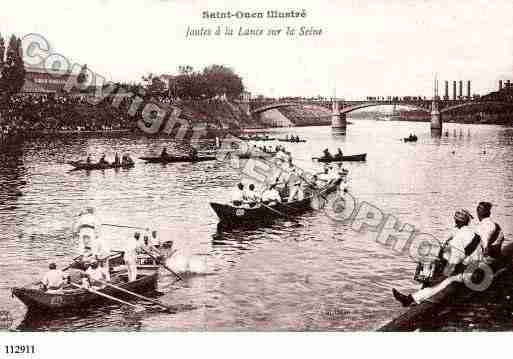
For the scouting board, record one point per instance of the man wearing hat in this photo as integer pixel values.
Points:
(87, 228)
(462, 248)
(490, 232)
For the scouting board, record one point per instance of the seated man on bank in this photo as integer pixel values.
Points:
(54, 279)
(461, 249)
(238, 195)
(490, 232)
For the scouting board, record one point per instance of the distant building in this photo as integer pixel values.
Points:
(39, 80)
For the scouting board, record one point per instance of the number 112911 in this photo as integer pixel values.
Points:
(20, 349)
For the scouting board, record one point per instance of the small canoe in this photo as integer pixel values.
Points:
(169, 159)
(80, 165)
(64, 300)
(233, 216)
(352, 158)
(422, 313)
(410, 139)
(291, 141)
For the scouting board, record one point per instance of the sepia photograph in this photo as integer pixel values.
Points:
(173, 166)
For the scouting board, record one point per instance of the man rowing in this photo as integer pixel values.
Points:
(271, 196)
(54, 279)
(339, 156)
(461, 249)
(327, 155)
(489, 231)
(238, 195)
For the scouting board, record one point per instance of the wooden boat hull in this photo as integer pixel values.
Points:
(176, 159)
(352, 158)
(284, 140)
(78, 165)
(37, 300)
(257, 139)
(455, 292)
(406, 139)
(233, 216)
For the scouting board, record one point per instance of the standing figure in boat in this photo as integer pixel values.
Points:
(87, 229)
(130, 256)
(489, 231)
(117, 162)
(462, 248)
(296, 193)
(193, 153)
(250, 196)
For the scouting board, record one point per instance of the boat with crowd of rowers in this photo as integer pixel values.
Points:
(231, 215)
(73, 297)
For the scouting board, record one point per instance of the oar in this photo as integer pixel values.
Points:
(122, 226)
(138, 307)
(280, 213)
(162, 264)
(74, 261)
(137, 295)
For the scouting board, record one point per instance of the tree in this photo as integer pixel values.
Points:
(82, 76)
(222, 80)
(154, 85)
(13, 70)
(2, 53)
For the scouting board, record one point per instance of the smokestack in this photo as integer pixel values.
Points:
(454, 90)
(446, 93)
(468, 89)
(461, 90)
(500, 85)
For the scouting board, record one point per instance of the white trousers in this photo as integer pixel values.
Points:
(131, 266)
(429, 292)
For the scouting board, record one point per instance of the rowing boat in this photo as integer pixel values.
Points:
(233, 216)
(410, 139)
(289, 140)
(64, 300)
(424, 312)
(80, 165)
(245, 138)
(170, 159)
(352, 158)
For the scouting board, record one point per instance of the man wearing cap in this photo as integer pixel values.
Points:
(490, 232)
(462, 248)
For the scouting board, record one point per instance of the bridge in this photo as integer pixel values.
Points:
(436, 107)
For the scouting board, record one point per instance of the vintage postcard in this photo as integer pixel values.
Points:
(291, 166)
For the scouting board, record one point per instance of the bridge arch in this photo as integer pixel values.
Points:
(346, 110)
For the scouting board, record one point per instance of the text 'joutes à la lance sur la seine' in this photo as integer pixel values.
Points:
(253, 30)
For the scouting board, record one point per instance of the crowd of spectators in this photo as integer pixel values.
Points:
(27, 115)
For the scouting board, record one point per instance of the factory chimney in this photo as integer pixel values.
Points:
(454, 90)
(468, 89)
(446, 93)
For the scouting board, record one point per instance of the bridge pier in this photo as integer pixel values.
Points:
(338, 120)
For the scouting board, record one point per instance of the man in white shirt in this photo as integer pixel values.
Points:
(271, 195)
(54, 279)
(238, 195)
(490, 232)
(130, 256)
(251, 197)
(95, 274)
(296, 194)
(462, 248)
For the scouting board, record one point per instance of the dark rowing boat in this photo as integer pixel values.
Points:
(352, 158)
(80, 165)
(246, 138)
(419, 314)
(70, 299)
(170, 159)
(233, 216)
(291, 141)
(259, 154)
(410, 139)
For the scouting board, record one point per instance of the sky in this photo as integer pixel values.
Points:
(367, 47)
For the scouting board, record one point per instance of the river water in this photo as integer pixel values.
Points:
(315, 275)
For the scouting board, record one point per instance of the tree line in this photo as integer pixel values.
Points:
(212, 81)
(12, 68)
